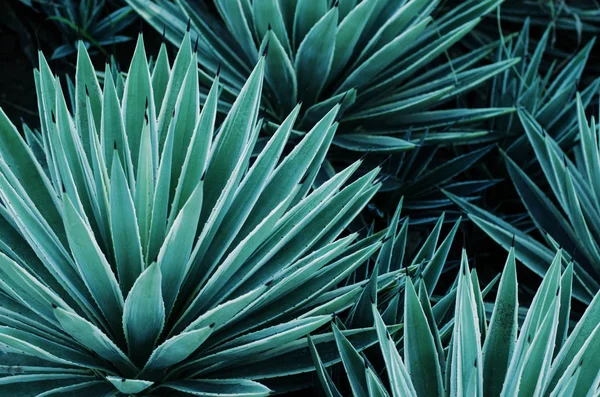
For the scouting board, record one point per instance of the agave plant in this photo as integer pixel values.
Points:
(385, 61)
(145, 251)
(85, 20)
(571, 219)
(572, 23)
(544, 356)
(575, 16)
(548, 95)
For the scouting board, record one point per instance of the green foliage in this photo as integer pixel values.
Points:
(85, 20)
(572, 22)
(481, 357)
(547, 94)
(569, 217)
(386, 63)
(146, 251)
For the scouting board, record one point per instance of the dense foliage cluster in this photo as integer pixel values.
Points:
(271, 205)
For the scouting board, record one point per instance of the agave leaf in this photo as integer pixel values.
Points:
(480, 305)
(374, 385)
(138, 106)
(175, 82)
(466, 356)
(304, 293)
(185, 118)
(226, 311)
(292, 277)
(348, 34)
(16, 314)
(315, 55)
(112, 129)
(71, 159)
(398, 374)
(98, 178)
(94, 339)
(177, 348)
(324, 378)
(267, 15)
(532, 253)
(538, 360)
(394, 108)
(160, 77)
(306, 14)
(160, 202)
(234, 16)
(93, 267)
(279, 70)
(353, 363)
(91, 389)
(124, 229)
(419, 348)
(584, 367)
(21, 161)
(401, 71)
(144, 189)
(502, 334)
(372, 143)
(194, 164)
(144, 314)
(86, 86)
(538, 329)
(290, 171)
(433, 269)
(39, 297)
(40, 347)
(233, 135)
(589, 149)
(129, 386)
(315, 220)
(397, 22)
(23, 385)
(175, 251)
(428, 247)
(433, 326)
(566, 291)
(339, 303)
(220, 387)
(287, 226)
(575, 342)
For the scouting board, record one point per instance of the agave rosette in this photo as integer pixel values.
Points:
(85, 20)
(385, 60)
(565, 212)
(145, 251)
(544, 355)
(548, 95)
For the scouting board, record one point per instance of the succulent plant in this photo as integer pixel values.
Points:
(474, 355)
(386, 61)
(85, 20)
(145, 250)
(548, 95)
(564, 209)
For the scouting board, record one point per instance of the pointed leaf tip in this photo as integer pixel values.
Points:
(266, 50)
